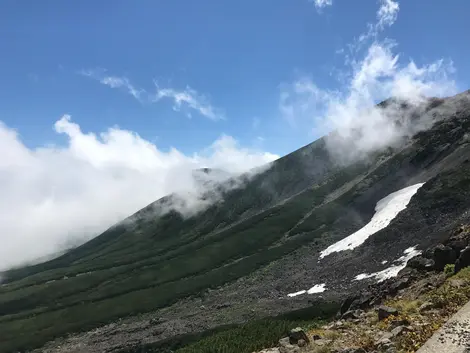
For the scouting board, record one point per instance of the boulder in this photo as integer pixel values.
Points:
(386, 311)
(426, 307)
(458, 245)
(384, 339)
(457, 283)
(443, 255)
(362, 301)
(459, 239)
(322, 342)
(463, 260)
(421, 263)
(284, 342)
(286, 347)
(345, 306)
(350, 315)
(297, 334)
(339, 325)
(399, 330)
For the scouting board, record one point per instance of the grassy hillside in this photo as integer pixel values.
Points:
(153, 263)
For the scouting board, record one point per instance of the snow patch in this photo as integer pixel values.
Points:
(361, 277)
(385, 211)
(392, 271)
(297, 293)
(317, 288)
(384, 262)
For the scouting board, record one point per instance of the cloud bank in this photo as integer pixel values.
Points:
(373, 75)
(54, 197)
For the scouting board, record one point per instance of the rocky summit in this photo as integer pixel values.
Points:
(304, 237)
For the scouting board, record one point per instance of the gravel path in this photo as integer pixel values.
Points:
(453, 337)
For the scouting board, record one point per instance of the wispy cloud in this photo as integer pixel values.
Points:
(115, 82)
(320, 4)
(373, 76)
(190, 98)
(187, 97)
(386, 16)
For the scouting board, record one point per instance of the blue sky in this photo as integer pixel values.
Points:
(107, 106)
(235, 53)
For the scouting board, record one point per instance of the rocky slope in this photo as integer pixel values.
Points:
(401, 313)
(258, 240)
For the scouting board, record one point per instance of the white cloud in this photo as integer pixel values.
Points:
(55, 196)
(115, 82)
(387, 13)
(188, 97)
(386, 16)
(191, 98)
(350, 111)
(320, 4)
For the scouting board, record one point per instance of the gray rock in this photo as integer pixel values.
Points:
(385, 311)
(398, 331)
(349, 315)
(284, 342)
(289, 349)
(463, 260)
(443, 255)
(426, 307)
(322, 342)
(383, 342)
(421, 263)
(270, 350)
(339, 324)
(297, 334)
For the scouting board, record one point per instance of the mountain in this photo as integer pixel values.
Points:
(256, 245)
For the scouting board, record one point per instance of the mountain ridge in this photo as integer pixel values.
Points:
(243, 254)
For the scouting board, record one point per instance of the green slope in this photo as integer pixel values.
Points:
(149, 262)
